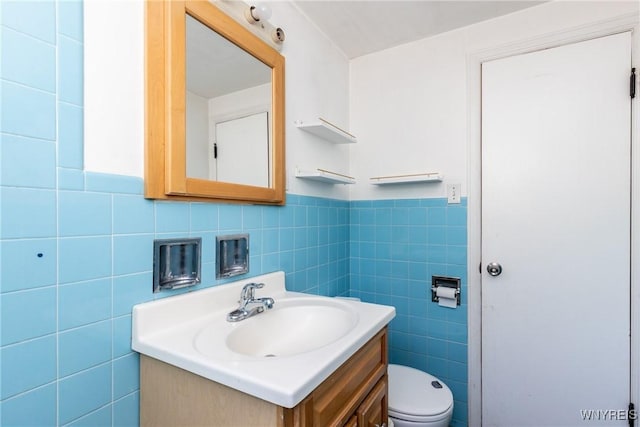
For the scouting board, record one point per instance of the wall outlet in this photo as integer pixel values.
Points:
(453, 193)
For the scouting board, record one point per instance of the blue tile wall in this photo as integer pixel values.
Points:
(395, 247)
(28, 60)
(76, 247)
(18, 157)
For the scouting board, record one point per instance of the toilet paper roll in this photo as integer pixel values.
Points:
(446, 297)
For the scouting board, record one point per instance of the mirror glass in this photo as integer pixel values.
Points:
(228, 110)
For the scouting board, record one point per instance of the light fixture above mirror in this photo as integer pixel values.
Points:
(259, 13)
(255, 17)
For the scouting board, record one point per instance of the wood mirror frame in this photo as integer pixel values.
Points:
(165, 94)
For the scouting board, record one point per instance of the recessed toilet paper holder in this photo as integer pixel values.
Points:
(447, 282)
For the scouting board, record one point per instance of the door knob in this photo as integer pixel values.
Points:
(494, 269)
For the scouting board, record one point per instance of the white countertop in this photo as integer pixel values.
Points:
(167, 330)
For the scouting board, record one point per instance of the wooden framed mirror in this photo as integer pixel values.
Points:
(214, 108)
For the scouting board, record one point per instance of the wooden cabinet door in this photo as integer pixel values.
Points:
(353, 422)
(374, 411)
(339, 396)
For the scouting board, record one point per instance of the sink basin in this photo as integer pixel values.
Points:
(280, 355)
(292, 327)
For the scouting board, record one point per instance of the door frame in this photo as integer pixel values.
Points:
(622, 23)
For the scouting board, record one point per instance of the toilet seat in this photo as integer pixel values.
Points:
(412, 397)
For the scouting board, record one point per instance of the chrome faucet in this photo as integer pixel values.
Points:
(248, 297)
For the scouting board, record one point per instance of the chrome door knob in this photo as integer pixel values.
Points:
(494, 269)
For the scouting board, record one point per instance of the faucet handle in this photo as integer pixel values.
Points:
(248, 291)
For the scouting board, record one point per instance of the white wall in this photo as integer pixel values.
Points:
(317, 84)
(246, 101)
(114, 86)
(198, 136)
(409, 104)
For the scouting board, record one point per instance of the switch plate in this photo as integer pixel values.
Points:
(453, 193)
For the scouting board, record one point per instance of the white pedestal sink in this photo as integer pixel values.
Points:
(279, 355)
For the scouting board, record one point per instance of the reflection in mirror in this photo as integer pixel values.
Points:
(240, 151)
(228, 110)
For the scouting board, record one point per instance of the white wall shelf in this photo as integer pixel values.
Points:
(407, 179)
(327, 130)
(323, 175)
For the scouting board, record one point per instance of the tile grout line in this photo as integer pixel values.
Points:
(57, 190)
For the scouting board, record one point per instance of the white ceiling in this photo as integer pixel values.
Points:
(216, 67)
(360, 27)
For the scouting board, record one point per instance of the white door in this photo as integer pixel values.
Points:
(242, 150)
(556, 206)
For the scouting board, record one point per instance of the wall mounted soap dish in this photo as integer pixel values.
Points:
(176, 263)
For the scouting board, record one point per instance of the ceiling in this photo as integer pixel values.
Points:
(360, 27)
(216, 67)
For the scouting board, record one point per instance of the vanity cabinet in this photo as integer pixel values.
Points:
(355, 394)
(343, 394)
(373, 411)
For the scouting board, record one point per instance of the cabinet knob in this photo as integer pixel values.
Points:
(383, 425)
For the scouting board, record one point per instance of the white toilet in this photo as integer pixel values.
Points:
(417, 399)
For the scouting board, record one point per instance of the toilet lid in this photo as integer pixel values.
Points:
(412, 392)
